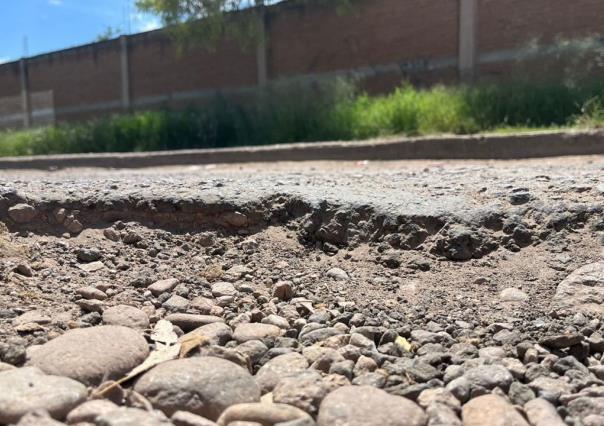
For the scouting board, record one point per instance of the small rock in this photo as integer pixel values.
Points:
(111, 234)
(368, 406)
(218, 333)
(162, 286)
(92, 266)
(305, 391)
(127, 316)
(27, 389)
(561, 341)
(283, 290)
(24, 269)
(90, 355)
(88, 411)
(583, 291)
(184, 418)
(223, 288)
(22, 213)
(90, 292)
(205, 386)
(337, 274)
(38, 317)
(279, 367)
(73, 225)
(541, 413)
(88, 254)
(255, 331)
(188, 322)
(38, 418)
(513, 295)
(264, 414)
(176, 303)
(489, 377)
(91, 305)
(126, 416)
(492, 410)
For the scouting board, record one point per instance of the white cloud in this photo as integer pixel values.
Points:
(55, 2)
(142, 23)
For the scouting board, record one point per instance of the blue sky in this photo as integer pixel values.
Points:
(56, 24)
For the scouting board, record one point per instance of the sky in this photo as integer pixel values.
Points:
(49, 25)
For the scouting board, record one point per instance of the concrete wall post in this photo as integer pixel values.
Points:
(125, 72)
(468, 11)
(25, 97)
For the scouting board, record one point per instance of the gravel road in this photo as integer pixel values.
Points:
(329, 293)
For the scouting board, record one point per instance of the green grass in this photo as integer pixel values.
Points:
(328, 111)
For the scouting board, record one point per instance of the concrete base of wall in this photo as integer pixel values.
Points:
(496, 147)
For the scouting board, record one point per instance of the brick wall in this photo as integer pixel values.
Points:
(380, 41)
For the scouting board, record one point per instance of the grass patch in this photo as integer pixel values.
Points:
(328, 111)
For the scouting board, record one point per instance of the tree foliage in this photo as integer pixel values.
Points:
(205, 22)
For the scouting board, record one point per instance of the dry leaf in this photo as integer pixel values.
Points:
(166, 353)
(163, 333)
(404, 344)
(190, 343)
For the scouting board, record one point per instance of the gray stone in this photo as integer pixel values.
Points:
(513, 295)
(27, 389)
(319, 335)
(204, 385)
(188, 322)
(491, 353)
(368, 406)
(38, 317)
(582, 291)
(261, 413)
(305, 390)
(492, 410)
(38, 418)
(552, 388)
(127, 316)
(520, 393)
(93, 354)
(255, 331)
(184, 418)
(561, 341)
(223, 288)
(162, 286)
(442, 415)
(22, 213)
(218, 333)
(90, 292)
(337, 274)
(176, 303)
(283, 290)
(585, 406)
(279, 367)
(88, 411)
(87, 255)
(125, 416)
(489, 376)
(541, 413)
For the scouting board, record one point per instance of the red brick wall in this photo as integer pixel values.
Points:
(507, 24)
(157, 68)
(315, 40)
(79, 76)
(10, 84)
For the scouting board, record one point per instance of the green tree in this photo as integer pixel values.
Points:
(108, 34)
(206, 22)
